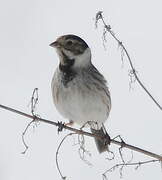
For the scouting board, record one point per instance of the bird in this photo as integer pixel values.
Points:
(80, 92)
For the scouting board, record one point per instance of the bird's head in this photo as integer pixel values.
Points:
(73, 51)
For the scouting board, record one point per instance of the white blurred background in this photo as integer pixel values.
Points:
(26, 61)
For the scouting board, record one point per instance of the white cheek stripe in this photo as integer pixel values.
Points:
(83, 59)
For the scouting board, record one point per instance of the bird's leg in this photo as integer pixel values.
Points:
(62, 125)
(107, 139)
(70, 123)
(85, 124)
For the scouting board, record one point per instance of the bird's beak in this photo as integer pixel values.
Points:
(54, 44)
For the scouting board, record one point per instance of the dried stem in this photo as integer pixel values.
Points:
(34, 100)
(33, 103)
(122, 165)
(82, 150)
(113, 141)
(23, 136)
(57, 153)
(107, 28)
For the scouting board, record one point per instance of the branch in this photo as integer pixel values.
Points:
(62, 126)
(107, 28)
(122, 165)
(57, 152)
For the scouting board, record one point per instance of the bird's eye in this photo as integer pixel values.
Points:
(69, 43)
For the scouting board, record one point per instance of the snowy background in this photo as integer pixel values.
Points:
(26, 61)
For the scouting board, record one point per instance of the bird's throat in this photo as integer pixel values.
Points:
(67, 72)
(65, 62)
(67, 65)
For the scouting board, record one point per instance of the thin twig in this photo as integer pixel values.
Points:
(82, 150)
(99, 16)
(113, 141)
(122, 165)
(57, 153)
(34, 102)
(23, 136)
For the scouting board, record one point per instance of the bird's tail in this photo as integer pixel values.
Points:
(102, 144)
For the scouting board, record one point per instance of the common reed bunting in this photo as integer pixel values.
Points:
(79, 90)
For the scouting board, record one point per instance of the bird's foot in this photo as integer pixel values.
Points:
(107, 139)
(70, 123)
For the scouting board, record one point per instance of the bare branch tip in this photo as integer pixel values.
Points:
(64, 178)
(98, 17)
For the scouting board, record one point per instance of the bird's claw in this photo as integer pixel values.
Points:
(107, 139)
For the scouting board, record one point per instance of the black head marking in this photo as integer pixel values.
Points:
(67, 72)
(74, 37)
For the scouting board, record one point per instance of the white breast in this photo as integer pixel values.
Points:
(78, 102)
